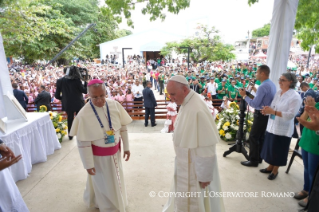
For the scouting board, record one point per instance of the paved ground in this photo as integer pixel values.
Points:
(58, 184)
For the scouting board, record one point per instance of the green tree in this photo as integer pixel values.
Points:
(40, 29)
(155, 8)
(123, 32)
(261, 32)
(207, 46)
(307, 24)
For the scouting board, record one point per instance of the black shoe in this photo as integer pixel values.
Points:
(154, 125)
(265, 171)
(272, 176)
(145, 125)
(70, 137)
(249, 163)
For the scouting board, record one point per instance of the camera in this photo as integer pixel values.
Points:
(74, 72)
(84, 74)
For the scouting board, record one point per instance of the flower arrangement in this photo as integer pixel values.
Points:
(228, 123)
(60, 126)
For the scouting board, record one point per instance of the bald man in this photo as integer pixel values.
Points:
(195, 137)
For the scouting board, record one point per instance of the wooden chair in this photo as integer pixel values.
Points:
(296, 152)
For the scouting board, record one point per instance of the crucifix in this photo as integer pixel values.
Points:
(115, 52)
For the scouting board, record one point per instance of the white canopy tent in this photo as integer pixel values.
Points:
(150, 40)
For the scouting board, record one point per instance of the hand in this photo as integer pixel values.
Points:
(314, 116)
(127, 154)
(242, 92)
(5, 162)
(267, 110)
(203, 185)
(91, 171)
(310, 101)
(6, 151)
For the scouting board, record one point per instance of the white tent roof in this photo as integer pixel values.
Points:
(149, 40)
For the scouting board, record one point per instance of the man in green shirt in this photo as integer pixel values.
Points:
(314, 81)
(202, 84)
(222, 89)
(189, 76)
(232, 91)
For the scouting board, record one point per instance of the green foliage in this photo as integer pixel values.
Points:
(261, 32)
(155, 8)
(123, 32)
(307, 24)
(39, 29)
(251, 2)
(207, 46)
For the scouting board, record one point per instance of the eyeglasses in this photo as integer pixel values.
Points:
(282, 80)
(98, 98)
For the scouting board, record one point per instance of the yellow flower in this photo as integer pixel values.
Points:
(237, 122)
(51, 117)
(63, 132)
(66, 127)
(250, 122)
(50, 113)
(57, 130)
(60, 118)
(232, 103)
(217, 116)
(227, 123)
(43, 107)
(221, 132)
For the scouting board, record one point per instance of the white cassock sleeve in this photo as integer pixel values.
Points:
(124, 136)
(86, 154)
(204, 160)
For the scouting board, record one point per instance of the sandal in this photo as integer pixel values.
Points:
(301, 195)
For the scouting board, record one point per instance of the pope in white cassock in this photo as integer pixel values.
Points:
(99, 128)
(196, 176)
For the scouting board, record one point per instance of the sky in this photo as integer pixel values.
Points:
(233, 18)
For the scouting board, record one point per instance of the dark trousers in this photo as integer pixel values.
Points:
(257, 136)
(311, 162)
(71, 118)
(161, 84)
(150, 111)
(138, 107)
(214, 96)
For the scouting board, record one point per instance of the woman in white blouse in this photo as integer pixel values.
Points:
(280, 127)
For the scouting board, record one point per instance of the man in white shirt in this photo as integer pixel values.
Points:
(211, 88)
(137, 90)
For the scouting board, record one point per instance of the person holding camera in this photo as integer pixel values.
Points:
(264, 96)
(69, 89)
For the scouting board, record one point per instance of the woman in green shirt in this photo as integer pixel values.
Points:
(309, 144)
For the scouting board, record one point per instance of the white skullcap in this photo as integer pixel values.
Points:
(180, 79)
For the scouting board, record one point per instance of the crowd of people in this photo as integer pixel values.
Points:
(275, 116)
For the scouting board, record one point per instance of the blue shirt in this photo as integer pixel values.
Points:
(264, 96)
